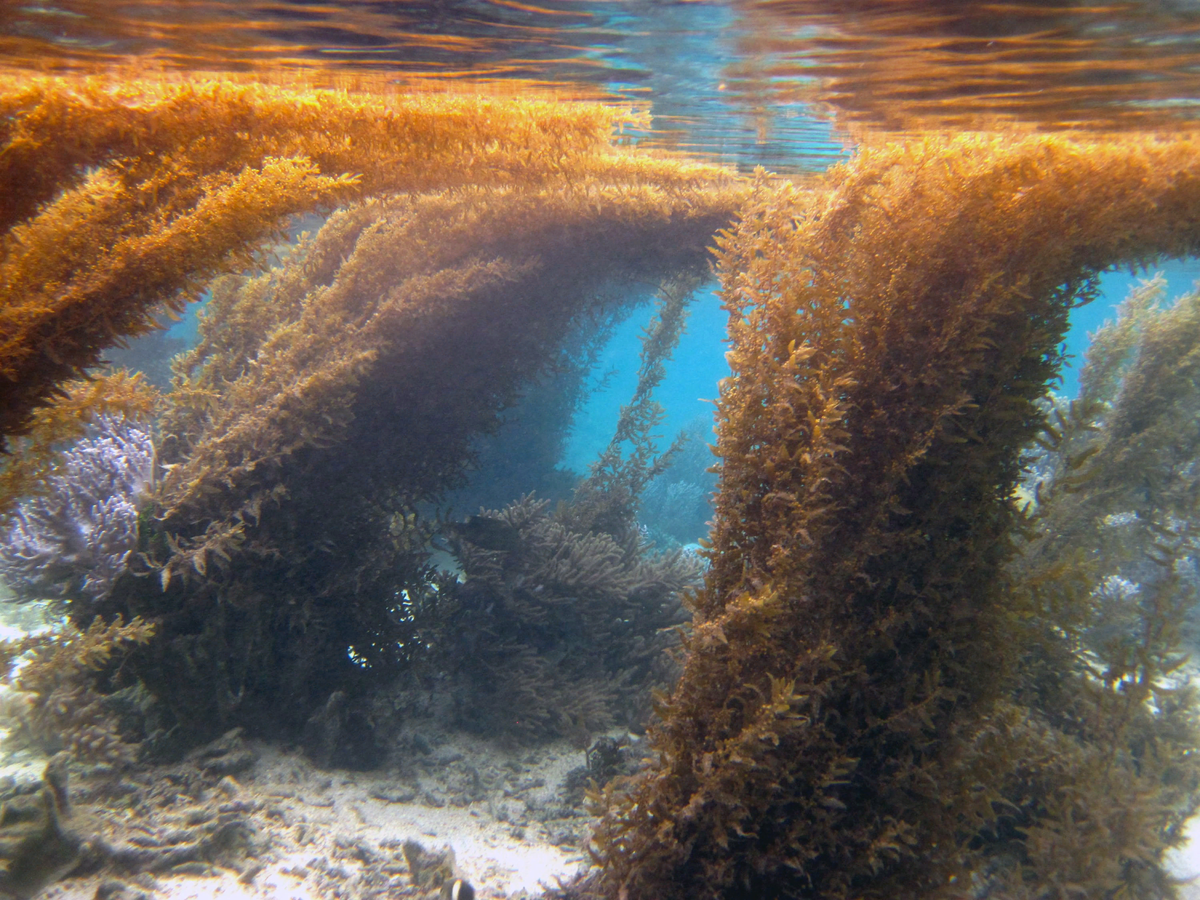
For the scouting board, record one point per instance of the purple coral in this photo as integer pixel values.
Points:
(77, 537)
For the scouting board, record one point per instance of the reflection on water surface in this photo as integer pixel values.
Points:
(771, 82)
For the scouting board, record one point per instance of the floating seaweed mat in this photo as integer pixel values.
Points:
(123, 195)
(866, 709)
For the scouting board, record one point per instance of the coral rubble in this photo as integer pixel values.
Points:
(863, 711)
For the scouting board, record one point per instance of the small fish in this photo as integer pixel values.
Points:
(487, 533)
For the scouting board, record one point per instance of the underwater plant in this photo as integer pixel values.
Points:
(676, 506)
(335, 392)
(555, 631)
(124, 196)
(395, 290)
(607, 500)
(863, 710)
(62, 695)
(1106, 564)
(76, 538)
(560, 621)
(330, 394)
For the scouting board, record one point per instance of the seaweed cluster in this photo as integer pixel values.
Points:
(558, 622)
(675, 507)
(902, 677)
(64, 680)
(124, 197)
(880, 696)
(560, 631)
(329, 396)
(339, 387)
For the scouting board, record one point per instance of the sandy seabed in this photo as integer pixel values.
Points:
(242, 819)
(248, 819)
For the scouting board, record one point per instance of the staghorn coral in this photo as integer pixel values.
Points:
(862, 711)
(75, 539)
(123, 196)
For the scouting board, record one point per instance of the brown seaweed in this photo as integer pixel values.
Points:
(856, 716)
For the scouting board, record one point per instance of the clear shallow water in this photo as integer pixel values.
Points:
(786, 84)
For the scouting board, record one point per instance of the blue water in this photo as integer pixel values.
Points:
(1181, 275)
(699, 363)
(687, 392)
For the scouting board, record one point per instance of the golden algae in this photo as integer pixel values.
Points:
(881, 698)
(124, 196)
(429, 309)
(332, 392)
(54, 673)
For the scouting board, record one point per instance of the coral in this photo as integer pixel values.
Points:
(61, 675)
(33, 457)
(862, 710)
(77, 538)
(674, 513)
(122, 196)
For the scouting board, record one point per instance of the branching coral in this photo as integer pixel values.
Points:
(854, 717)
(26, 470)
(120, 197)
(76, 538)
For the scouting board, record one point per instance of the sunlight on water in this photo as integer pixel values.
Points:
(372, 575)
